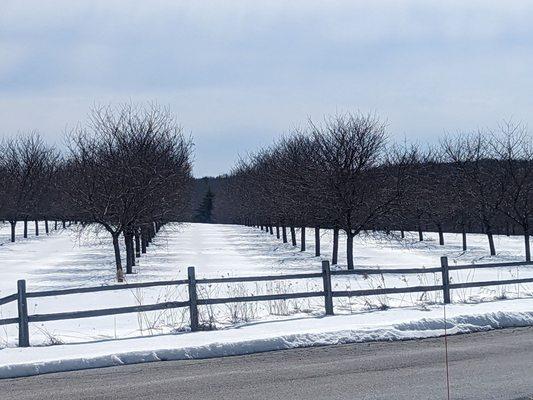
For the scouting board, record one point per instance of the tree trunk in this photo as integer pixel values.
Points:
(132, 249)
(441, 234)
(13, 224)
(335, 255)
(147, 236)
(130, 259)
(317, 241)
(402, 234)
(46, 228)
(464, 238)
(293, 236)
(154, 231)
(277, 231)
(25, 229)
(349, 250)
(36, 228)
(55, 225)
(64, 224)
(491, 242)
(143, 241)
(527, 245)
(284, 230)
(420, 233)
(302, 240)
(137, 243)
(118, 261)
(271, 230)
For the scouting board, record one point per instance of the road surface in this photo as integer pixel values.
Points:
(489, 365)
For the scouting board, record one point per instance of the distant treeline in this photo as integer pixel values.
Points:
(344, 174)
(128, 171)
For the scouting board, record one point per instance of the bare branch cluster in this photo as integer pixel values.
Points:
(345, 175)
(128, 170)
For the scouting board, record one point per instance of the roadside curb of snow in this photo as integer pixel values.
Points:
(419, 329)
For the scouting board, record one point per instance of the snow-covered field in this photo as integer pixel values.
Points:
(71, 258)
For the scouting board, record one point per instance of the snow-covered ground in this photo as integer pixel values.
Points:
(72, 258)
(394, 324)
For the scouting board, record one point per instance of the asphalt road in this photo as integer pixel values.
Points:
(491, 365)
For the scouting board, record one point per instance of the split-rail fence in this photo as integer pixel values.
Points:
(24, 318)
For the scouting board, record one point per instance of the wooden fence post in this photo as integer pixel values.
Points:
(328, 295)
(193, 299)
(24, 334)
(317, 241)
(445, 280)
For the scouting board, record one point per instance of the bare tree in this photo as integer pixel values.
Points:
(342, 175)
(350, 149)
(28, 167)
(129, 168)
(482, 181)
(513, 148)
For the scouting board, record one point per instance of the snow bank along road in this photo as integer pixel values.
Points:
(489, 365)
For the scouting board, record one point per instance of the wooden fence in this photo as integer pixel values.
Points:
(193, 302)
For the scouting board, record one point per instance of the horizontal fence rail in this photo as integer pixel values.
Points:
(8, 299)
(379, 271)
(259, 278)
(60, 292)
(373, 292)
(490, 265)
(23, 319)
(490, 283)
(108, 311)
(9, 321)
(262, 297)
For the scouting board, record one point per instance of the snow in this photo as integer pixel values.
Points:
(259, 337)
(75, 258)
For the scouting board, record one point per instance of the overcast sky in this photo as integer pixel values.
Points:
(240, 73)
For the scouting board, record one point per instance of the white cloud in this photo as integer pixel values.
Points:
(249, 70)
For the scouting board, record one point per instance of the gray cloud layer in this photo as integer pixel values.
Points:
(239, 73)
